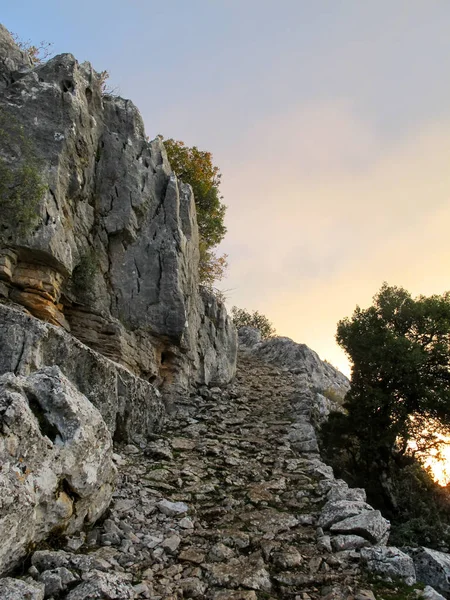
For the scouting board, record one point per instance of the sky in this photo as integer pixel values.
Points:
(330, 123)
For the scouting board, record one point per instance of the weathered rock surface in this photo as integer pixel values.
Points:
(56, 455)
(16, 589)
(304, 362)
(369, 524)
(338, 510)
(131, 407)
(432, 567)
(114, 255)
(429, 593)
(13, 60)
(390, 562)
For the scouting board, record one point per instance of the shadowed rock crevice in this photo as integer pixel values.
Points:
(46, 427)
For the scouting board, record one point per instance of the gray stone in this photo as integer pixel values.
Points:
(171, 544)
(338, 510)
(301, 360)
(172, 509)
(57, 580)
(350, 494)
(370, 525)
(348, 542)
(193, 587)
(13, 61)
(16, 589)
(389, 562)
(428, 593)
(108, 586)
(56, 456)
(186, 523)
(432, 567)
(248, 572)
(302, 437)
(219, 553)
(47, 560)
(248, 336)
(129, 405)
(365, 595)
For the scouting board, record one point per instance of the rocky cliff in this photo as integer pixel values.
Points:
(98, 282)
(110, 251)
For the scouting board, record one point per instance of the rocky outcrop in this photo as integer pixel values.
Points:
(113, 255)
(56, 455)
(432, 567)
(390, 562)
(303, 362)
(13, 61)
(131, 407)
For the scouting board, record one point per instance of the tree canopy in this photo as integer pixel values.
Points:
(243, 318)
(399, 401)
(196, 167)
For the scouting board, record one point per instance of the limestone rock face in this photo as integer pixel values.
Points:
(390, 562)
(131, 407)
(56, 456)
(14, 61)
(303, 362)
(113, 257)
(432, 567)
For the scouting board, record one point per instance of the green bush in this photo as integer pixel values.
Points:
(244, 318)
(84, 273)
(196, 168)
(21, 185)
(333, 395)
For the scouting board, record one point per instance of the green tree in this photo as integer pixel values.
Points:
(196, 167)
(399, 401)
(243, 318)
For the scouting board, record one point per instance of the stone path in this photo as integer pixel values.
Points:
(222, 505)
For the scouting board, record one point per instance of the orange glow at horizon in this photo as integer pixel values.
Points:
(438, 462)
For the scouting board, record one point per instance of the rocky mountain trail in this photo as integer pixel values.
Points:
(224, 503)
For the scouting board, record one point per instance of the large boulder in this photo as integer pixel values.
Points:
(17, 589)
(432, 567)
(338, 510)
(369, 524)
(56, 455)
(389, 562)
(131, 407)
(113, 254)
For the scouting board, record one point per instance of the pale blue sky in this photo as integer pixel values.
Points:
(330, 120)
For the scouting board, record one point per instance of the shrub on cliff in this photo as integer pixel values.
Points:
(38, 53)
(21, 186)
(243, 318)
(195, 167)
(399, 401)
